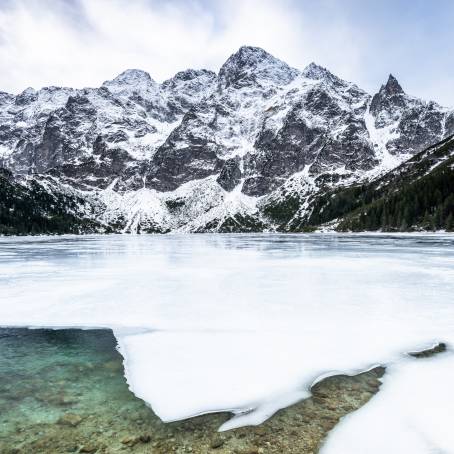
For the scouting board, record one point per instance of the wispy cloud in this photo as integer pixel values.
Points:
(83, 42)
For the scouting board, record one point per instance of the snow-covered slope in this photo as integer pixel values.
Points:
(202, 151)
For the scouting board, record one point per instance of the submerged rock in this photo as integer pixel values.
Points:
(217, 442)
(70, 419)
(88, 449)
(130, 440)
(145, 438)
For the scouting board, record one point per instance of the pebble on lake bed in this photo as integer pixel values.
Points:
(69, 419)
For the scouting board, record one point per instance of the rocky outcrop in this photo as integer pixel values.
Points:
(411, 124)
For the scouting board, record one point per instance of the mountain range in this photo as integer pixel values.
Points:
(260, 146)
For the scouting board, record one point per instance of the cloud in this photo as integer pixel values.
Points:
(44, 44)
(84, 42)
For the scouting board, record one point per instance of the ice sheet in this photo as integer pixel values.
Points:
(411, 413)
(236, 322)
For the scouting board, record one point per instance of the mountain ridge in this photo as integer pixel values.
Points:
(201, 149)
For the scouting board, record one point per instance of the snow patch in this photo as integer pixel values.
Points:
(411, 413)
(380, 138)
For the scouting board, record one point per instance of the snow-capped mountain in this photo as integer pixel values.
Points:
(204, 151)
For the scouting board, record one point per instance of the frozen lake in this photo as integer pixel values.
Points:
(248, 322)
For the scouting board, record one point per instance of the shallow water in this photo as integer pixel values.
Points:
(236, 322)
(46, 374)
(64, 391)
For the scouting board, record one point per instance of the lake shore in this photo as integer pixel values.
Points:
(64, 391)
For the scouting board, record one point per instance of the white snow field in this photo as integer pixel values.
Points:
(248, 323)
(411, 413)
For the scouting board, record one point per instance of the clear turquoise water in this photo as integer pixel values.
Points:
(48, 375)
(45, 374)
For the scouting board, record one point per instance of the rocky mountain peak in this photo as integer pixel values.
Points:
(27, 96)
(187, 88)
(320, 73)
(388, 102)
(250, 55)
(251, 65)
(30, 91)
(392, 87)
(314, 71)
(134, 79)
(190, 78)
(190, 74)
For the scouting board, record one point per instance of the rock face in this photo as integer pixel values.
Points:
(230, 175)
(218, 146)
(412, 124)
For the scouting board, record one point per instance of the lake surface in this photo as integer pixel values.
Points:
(244, 323)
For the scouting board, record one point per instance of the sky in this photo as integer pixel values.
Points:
(81, 43)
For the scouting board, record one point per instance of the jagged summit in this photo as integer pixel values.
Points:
(317, 72)
(388, 103)
(187, 88)
(246, 55)
(133, 75)
(392, 87)
(28, 91)
(190, 74)
(190, 79)
(131, 78)
(251, 65)
(26, 97)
